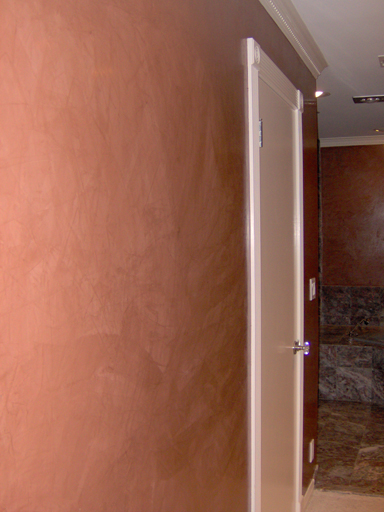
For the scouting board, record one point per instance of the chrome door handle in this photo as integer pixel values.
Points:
(306, 347)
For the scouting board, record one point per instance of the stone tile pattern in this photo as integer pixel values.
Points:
(348, 305)
(350, 450)
(350, 372)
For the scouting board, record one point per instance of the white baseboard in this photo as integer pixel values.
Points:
(307, 496)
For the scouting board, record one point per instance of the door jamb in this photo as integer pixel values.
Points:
(258, 65)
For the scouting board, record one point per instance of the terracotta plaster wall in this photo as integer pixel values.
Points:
(122, 261)
(352, 215)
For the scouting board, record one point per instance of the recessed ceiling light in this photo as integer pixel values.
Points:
(369, 99)
(321, 94)
(379, 130)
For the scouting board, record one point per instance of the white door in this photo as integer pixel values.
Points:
(275, 285)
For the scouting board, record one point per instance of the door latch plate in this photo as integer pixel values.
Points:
(305, 348)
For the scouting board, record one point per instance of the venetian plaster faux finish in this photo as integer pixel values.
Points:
(123, 287)
(122, 305)
(352, 215)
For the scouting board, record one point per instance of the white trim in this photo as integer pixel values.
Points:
(307, 496)
(299, 278)
(260, 67)
(284, 13)
(368, 140)
(254, 275)
(271, 75)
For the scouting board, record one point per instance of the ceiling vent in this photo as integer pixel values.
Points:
(369, 99)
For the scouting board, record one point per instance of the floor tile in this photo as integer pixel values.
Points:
(350, 451)
(337, 452)
(344, 502)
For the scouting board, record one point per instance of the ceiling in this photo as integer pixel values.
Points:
(350, 35)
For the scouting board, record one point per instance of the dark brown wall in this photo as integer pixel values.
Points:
(122, 309)
(353, 215)
(311, 269)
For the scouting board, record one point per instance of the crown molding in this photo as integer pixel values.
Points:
(285, 15)
(368, 140)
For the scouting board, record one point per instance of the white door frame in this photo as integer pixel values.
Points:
(258, 65)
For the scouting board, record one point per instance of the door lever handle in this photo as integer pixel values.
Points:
(306, 347)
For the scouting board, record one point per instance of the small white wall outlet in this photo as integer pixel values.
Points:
(311, 455)
(312, 288)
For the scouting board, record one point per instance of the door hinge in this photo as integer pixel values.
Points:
(260, 133)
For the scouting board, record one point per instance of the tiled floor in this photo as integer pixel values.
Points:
(344, 502)
(351, 447)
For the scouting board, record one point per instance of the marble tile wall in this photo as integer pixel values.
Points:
(348, 305)
(352, 373)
